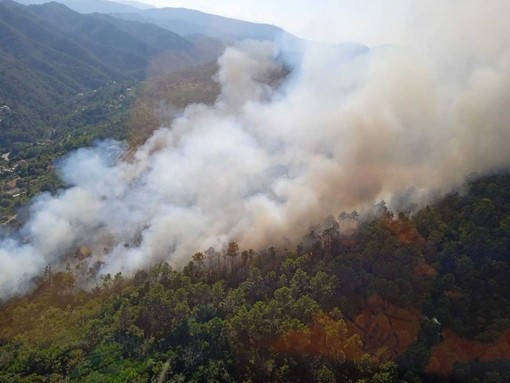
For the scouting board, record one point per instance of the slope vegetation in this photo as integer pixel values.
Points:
(421, 298)
(49, 55)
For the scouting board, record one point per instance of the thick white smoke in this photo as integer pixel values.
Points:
(351, 126)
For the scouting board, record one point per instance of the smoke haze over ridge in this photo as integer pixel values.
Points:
(351, 126)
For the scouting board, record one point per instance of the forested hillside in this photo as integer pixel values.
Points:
(93, 6)
(68, 79)
(50, 56)
(395, 298)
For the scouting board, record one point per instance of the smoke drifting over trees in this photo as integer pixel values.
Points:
(349, 127)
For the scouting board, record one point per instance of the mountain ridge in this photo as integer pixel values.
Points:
(190, 22)
(182, 21)
(45, 61)
(88, 6)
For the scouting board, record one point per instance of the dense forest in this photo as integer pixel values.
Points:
(421, 297)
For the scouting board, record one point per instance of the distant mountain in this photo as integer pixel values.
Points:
(49, 54)
(123, 45)
(92, 6)
(189, 22)
(182, 21)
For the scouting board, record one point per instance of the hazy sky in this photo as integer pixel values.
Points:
(367, 21)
